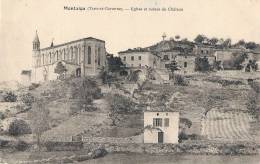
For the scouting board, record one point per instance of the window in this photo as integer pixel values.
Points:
(157, 122)
(71, 54)
(165, 57)
(89, 55)
(140, 65)
(43, 60)
(139, 57)
(124, 58)
(99, 56)
(50, 57)
(166, 122)
(185, 64)
(202, 51)
(132, 58)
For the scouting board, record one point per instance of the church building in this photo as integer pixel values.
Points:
(83, 57)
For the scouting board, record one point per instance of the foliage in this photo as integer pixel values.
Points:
(172, 66)
(179, 80)
(119, 105)
(39, 119)
(18, 127)
(252, 65)
(60, 69)
(27, 99)
(2, 115)
(252, 100)
(200, 38)
(85, 91)
(186, 122)
(237, 60)
(202, 64)
(114, 64)
(10, 97)
(251, 45)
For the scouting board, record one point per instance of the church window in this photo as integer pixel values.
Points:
(71, 51)
(64, 54)
(79, 50)
(43, 60)
(57, 53)
(50, 58)
(89, 55)
(76, 54)
(99, 56)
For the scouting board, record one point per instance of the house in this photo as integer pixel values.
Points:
(139, 58)
(161, 127)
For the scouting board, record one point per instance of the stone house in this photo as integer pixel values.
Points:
(161, 127)
(139, 58)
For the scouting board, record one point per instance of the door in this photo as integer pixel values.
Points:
(160, 137)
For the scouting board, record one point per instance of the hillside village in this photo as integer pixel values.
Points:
(177, 96)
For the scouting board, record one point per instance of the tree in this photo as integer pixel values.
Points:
(199, 39)
(114, 64)
(251, 45)
(177, 37)
(172, 67)
(119, 105)
(202, 64)
(213, 41)
(241, 43)
(39, 120)
(60, 69)
(227, 43)
(85, 91)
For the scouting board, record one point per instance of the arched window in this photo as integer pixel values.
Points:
(50, 58)
(99, 55)
(76, 54)
(57, 55)
(79, 55)
(89, 55)
(71, 54)
(64, 54)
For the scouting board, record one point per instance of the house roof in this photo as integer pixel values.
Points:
(74, 41)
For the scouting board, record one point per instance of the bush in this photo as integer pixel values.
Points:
(20, 145)
(33, 86)
(27, 99)
(10, 97)
(18, 127)
(101, 152)
(179, 80)
(2, 116)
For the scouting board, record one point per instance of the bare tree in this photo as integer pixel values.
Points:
(39, 120)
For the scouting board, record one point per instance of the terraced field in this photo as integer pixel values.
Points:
(233, 126)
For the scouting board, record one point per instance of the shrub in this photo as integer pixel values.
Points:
(33, 86)
(27, 99)
(179, 80)
(10, 97)
(18, 127)
(2, 115)
(101, 152)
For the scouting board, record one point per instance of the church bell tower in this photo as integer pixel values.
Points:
(35, 54)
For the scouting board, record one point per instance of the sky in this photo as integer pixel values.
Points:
(235, 19)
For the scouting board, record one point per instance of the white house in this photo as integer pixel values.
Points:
(161, 127)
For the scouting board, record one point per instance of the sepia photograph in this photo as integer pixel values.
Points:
(130, 82)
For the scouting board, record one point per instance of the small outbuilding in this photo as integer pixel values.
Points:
(161, 127)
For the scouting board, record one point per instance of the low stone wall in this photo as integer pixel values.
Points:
(187, 148)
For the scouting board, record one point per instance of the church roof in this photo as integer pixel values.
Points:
(36, 38)
(74, 41)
